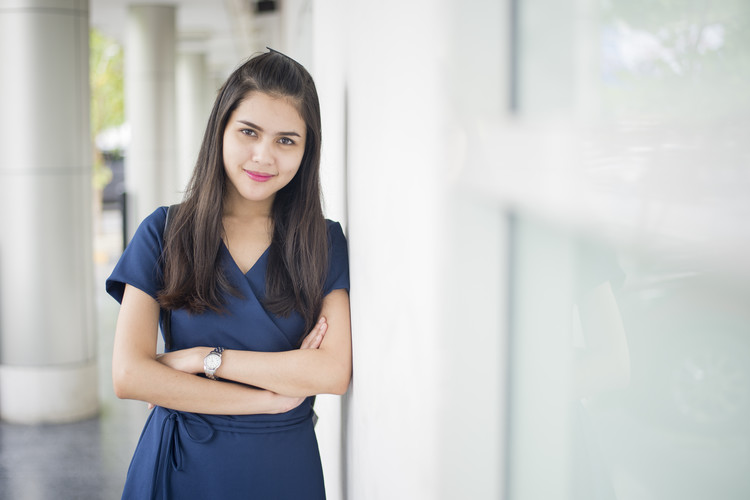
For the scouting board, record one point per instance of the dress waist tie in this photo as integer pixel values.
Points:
(175, 428)
(171, 445)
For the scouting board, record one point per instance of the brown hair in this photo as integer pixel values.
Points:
(298, 255)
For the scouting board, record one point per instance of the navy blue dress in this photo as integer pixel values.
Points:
(185, 456)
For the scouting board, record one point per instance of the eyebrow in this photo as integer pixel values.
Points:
(252, 125)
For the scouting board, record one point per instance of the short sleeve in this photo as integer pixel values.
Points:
(338, 259)
(139, 265)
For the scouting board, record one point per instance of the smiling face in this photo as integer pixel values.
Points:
(264, 142)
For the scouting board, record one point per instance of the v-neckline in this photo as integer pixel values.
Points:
(237, 266)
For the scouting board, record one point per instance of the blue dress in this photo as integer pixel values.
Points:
(185, 456)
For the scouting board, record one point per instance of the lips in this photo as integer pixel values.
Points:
(258, 176)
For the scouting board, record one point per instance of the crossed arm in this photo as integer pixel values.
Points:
(283, 379)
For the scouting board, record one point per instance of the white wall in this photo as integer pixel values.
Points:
(422, 418)
(394, 167)
(325, 48)
(645, 155)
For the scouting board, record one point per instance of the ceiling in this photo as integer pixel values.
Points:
(224, 30)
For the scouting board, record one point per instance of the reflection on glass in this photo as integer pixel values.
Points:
(680, 429)
(630, 344)
(658, 383)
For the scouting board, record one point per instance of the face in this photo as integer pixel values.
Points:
(264, 142)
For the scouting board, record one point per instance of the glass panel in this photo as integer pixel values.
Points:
(630, 332)
(630, 373)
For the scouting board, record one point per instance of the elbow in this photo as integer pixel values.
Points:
(122, 382)
(119, 388)
(340, 389)
(341, 384)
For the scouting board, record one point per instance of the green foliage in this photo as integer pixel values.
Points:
(107, 94)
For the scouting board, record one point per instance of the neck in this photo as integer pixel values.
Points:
(240, 208)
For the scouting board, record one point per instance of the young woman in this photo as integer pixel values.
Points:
(254, 282)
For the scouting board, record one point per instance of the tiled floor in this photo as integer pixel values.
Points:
(82, 460)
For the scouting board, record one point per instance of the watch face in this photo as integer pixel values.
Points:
(212, 361)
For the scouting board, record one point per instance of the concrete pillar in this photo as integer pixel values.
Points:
(150, 169)
(327, 46)
(47, 345)
(193, 108)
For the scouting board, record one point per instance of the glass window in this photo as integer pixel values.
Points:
(629, 352)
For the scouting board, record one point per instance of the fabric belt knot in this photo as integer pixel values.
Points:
(174, 428)
(180, 428)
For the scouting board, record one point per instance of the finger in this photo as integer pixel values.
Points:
(321, 331)
(309, 341)
(151, 406)
(316, 336)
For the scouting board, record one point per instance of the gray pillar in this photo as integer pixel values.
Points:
(47, 346)
(192, 111)
(150, 172)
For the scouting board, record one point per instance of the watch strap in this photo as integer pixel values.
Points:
(210, 372)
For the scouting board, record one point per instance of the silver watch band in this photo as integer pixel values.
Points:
(212, 362)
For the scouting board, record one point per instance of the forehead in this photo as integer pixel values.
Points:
(274, 113)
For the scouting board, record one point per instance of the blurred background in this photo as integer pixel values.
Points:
(546, 204)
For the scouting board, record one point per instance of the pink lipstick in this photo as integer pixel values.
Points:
(258, 176)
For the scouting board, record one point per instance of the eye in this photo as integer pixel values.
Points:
(286, 141)
(248, 131)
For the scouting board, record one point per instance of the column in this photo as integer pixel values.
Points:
(325, 42)
(47, 345)
(192, 112)
(150, 171)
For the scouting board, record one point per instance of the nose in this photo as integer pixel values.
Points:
(261, 153)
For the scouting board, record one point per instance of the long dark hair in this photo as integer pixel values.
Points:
(298, 255)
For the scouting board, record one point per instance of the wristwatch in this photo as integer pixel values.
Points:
(212, 362)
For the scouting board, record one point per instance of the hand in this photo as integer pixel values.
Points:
(315, 337)
(191, 360)
(283, 404)
(185, 360)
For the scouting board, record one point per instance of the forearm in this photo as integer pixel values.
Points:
(301, 372)
(292, 373)
(137, 374)
(150, 381)
(322, 365)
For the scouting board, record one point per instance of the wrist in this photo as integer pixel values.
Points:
(192, 359)
(199, 357)
(212, 361)
(271, 403)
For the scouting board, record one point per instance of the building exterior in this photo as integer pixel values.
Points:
(545, 204)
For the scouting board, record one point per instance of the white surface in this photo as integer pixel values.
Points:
(150, 165)
(46, 304)
(50, 394)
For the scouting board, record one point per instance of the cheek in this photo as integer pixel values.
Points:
(293, 168)
(225, 150)
(230, 153)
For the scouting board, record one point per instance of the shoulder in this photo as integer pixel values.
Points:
(336, 237)
(338, 258)
(152, 227)
(156, 219)
(139, 263)
(334, 228)
(148, 237)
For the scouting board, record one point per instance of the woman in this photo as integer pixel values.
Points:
(247, 268)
